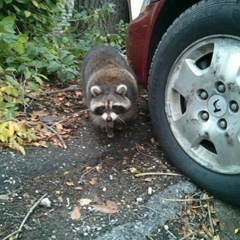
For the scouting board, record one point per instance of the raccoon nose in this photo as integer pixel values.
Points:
(108, 119)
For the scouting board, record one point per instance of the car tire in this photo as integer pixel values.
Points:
(194, 96)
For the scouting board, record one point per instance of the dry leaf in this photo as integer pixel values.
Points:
(78, 188)
(59, 126)
(75, 214)
(126, 158)
(57, 192)
(148, 179)
(134, 170)
(236, 231)
(85, 201)
(110, 207)
(70, 184)
(99, 167)
(93, 182)
(140, 148)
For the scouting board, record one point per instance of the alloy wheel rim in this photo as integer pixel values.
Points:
(202, 102)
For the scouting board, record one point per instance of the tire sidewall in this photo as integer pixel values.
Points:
(202, 20)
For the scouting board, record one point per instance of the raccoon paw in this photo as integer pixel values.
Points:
(110, 134)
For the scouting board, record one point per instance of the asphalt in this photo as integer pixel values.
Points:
(48, 160)
(89, 146)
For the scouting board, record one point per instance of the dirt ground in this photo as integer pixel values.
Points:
(92, 188)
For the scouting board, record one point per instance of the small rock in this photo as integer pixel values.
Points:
(166, 227)
(150, 191)
(46, 203)
(139, 199)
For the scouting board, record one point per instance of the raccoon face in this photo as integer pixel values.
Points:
(112, 106)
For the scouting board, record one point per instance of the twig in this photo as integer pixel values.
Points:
(187, 199)
(25, 218)
(88, 171)
(207, 231)
(6, 120)
(56, 133)
(147, 155)
(75, 114)
(52, 130)
(170, 233)
(11, 234)
(188, 235)
(151, 209)
(158, 173)
(71, 88)
(210, 218)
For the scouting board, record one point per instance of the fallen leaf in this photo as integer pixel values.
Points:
(36, 114)
(148, 179)
(70, 184)
(59, 126)
(134, 170)
(140, 148)
(57, 192)
(75, 214)
(92, 182)
(99, 167)
(109, 207)
(85, 201)
(236, 231)
(126, 158)
(78, 93)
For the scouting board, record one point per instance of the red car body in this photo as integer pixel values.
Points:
(145, 32)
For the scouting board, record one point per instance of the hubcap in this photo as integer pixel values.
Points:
(202, 102)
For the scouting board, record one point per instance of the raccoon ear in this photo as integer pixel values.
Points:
(96, 90)
(121, 89)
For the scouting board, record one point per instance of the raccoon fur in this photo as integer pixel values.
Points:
(110, 88)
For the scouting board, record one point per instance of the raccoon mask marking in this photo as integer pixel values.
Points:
(109, 87)
(110, 107)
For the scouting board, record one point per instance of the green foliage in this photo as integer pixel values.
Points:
(32, 51)
(116, 40)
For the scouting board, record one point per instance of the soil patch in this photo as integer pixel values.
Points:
(93, 186)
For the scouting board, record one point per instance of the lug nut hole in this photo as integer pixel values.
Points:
(234, 106)
(220, 87)
(202, 94)
(204, 116)
(222, 123)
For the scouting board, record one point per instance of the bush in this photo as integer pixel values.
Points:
(32, 51)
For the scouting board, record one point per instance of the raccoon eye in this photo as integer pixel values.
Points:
(118, 109)
(99, 110)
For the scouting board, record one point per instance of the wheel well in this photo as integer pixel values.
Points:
(171, 10)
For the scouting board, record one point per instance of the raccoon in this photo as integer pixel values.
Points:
(110, 88)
